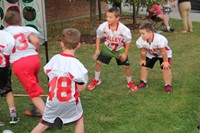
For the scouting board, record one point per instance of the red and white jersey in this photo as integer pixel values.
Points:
(64, 71)
(23, 46)
(153, 48)
(6, 42)
(116, 40)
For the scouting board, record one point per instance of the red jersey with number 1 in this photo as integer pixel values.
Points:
(64, 71)
(23, 46)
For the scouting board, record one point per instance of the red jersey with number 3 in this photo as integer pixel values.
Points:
(23, 46)
(6, 42)
(64, 71)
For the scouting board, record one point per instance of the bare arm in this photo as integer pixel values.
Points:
(34, 40)
(143, 56)
(97, 52)
(165, 63)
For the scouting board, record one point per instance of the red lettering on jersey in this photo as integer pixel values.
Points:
(22, 40)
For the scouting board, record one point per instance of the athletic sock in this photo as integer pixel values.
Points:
(97, 75)
(129, 79)
(12, 112)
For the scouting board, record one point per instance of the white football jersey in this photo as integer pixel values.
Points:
(23, 47)
(64, 71)
(116, 40)
(6, 43)
(153, 48)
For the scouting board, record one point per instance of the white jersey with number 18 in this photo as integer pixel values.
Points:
(63, 101)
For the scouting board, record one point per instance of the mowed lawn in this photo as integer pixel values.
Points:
(112, 107)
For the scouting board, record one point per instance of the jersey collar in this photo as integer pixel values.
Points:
(67, 55)
(116, 26)
(151, 39)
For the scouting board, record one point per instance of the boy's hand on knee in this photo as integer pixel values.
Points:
(142, 63)
(123, 57)
(96, 54)
(166, 65)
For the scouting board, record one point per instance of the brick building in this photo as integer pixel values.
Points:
(64, 9)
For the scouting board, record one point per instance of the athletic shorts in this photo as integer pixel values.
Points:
(151, 62)
(67, 112)
(106, 55)
(5, 80)
(26, 70)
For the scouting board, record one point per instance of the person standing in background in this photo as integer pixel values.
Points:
(184, 7)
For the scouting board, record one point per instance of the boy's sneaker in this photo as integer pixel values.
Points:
(142, 85)
(168, 88)
(1, 124)
(132, 86)
(33, 112)
(14, 119)
(93, 84)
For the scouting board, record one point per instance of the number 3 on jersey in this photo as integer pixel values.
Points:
(63, 92)
(23, 42)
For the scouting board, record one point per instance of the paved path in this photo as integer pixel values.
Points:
(195, 14)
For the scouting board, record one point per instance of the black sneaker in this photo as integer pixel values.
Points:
(14, 120)
(168, 88)
(142, 85)
(33, 112)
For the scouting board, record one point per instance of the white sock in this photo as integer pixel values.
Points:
(97, 75)
(12, 111)
(129, 79)
(168, 28)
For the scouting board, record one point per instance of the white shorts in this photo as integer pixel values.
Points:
(67, 111)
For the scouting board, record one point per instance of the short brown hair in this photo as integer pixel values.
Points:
(12, 18)
(114, 10)
(71, 38)
(146, 26)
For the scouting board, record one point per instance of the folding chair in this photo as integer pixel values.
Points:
(154, 20)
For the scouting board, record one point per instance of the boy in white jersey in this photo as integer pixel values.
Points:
(117, 44)
(7, 41)
(24, 57)
(154, 47)
(67, 77)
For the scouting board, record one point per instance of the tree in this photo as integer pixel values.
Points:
(92, 17)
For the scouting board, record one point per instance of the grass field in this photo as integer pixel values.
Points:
(112, 107)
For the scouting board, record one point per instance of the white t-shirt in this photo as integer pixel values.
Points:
(23, 46)
(6, 43)
(116, 40)
(153, 48)
(64, 71)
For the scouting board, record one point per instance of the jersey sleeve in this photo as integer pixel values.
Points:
(80, 74)
(127, 35)
(36, 33)
(48, 68)
(163, 42)
(100, 30)
(139, 42)
(9, 45)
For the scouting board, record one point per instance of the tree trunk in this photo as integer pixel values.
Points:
(99, 8)
(92, 17)
(134, 13)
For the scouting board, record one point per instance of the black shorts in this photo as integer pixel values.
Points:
(106, 58)
(151, 62)
(5, 80)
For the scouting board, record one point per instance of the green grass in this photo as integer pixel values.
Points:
(112, 107)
